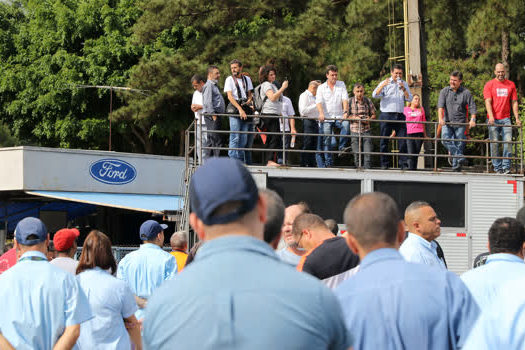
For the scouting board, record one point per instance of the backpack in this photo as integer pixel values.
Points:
(258, 101)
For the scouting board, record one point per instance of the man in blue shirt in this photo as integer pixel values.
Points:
(236, 294)
(424, 227)
(42, 305)
(393, 92)
(145, 269)
(394, 304)
(505, 262)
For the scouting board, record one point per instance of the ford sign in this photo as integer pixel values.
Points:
(112, 171)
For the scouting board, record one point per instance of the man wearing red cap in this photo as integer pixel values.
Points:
(65, 241)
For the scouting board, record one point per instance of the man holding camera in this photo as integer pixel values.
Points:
(238, 88)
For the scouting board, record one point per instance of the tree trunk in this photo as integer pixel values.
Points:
(505, 51)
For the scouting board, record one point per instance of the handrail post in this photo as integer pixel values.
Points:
(436, 143)
(359, 140)
(521, 148)
(284, 119)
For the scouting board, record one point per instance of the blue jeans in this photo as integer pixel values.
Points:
(249, 144)
(238, 140)
(330, 141)
(319, 156)
(455, 148)
(498, 133)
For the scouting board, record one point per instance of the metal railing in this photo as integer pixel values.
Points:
(192, 158)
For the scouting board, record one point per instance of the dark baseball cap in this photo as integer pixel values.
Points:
(217, 182)
(30, 226)
(150, 229)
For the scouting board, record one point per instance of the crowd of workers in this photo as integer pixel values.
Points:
(325, 107)
(382, 284)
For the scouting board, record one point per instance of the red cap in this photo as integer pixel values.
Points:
(64, 238)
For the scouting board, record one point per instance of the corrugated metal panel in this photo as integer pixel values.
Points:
(454, 242)
(492, 197)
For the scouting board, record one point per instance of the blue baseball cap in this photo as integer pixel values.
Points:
(30, 226)
(150, 229)
(219, 181)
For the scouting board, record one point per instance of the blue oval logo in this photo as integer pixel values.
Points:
(112, 171)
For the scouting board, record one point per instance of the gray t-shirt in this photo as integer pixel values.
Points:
(270, 107)
(456, 104)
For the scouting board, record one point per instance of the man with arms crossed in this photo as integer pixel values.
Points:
(500, 94)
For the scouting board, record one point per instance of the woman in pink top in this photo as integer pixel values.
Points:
(414, 113)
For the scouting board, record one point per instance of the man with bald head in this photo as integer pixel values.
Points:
(423, 228)
(392, 303)
(291, 253)
(500, 94)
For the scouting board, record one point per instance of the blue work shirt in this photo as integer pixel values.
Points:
(288, 257)
(485, 281)
(145, 269)
(393, 304)
(236, 294)
(39, 301)
(502, 324)
(392, 97)
(111, 301)
(416, 249)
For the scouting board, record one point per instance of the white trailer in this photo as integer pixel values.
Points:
(467, 203)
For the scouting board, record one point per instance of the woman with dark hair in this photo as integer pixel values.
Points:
(272, 106)
(111, 300)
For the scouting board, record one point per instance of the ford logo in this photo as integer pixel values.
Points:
(112, 171)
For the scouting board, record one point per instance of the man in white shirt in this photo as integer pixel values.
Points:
(308, 110)
(197, 82)
(332, 103)
(238, 89)
(287, 125)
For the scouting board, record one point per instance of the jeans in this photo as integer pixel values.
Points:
(309, 143)
(330, 141)
(320, 156)
(238, 140)
(212, 140)
(499, 133)
(386, 130)
(414, 146)
(455, 148)
(249, 144)
(200, 139)
(366, 146)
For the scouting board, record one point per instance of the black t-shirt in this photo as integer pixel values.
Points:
(330, 258)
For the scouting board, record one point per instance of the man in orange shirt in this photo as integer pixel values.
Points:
(179, 246)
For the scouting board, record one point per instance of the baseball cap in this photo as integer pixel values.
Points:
(150, 229)
(64, 238)
(221, 180)
(30, 226)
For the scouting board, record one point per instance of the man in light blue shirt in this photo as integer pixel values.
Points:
(236, 294)
(145, 269)
(393, 92)
(42, 305)
(394, 304)
(505, 262)
(424, 227)
(502, 324)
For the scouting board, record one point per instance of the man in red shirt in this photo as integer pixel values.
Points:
(500, 94)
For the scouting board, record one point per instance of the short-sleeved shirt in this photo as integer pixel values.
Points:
(485, 281)
(416, 249)
(236, 294)
(287, 111)
(363, 109)
(181, 257)
(330, 258)
(197, 100)
(393, 304)
(66, 264)
(145, 269)
(271, 107)
(456, 104)
(332, 100)
(414, 115)
(289, 257)
(111, 301)
(244, 85)
(502, 94)
(39, 301)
